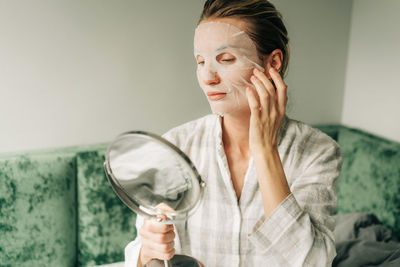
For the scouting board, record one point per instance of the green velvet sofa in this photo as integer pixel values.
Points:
(57, 208)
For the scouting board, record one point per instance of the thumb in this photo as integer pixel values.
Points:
(164, 207)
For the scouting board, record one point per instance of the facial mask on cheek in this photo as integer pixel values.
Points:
(216, 43)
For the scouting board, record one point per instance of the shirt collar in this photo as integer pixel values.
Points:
(218, 129)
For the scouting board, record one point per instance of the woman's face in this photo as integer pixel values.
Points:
(226, 57)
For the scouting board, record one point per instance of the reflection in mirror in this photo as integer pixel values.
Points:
(149, 170)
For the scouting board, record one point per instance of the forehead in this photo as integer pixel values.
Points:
(218, 35)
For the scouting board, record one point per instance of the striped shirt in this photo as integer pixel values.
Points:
(226, 232)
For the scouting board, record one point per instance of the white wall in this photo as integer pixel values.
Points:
(319, 32)
(372, 89)
(81, 72)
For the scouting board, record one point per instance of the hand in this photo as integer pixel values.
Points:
(157, 239)
(267, 108)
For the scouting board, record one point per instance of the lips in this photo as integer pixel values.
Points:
(215, 95)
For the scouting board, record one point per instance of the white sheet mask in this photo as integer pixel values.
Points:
(226, 58)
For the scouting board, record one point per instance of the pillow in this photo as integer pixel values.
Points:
(370, 177)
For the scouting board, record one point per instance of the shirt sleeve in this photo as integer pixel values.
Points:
(132, 250)
(299, 232)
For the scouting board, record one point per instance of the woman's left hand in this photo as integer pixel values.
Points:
(267, 110)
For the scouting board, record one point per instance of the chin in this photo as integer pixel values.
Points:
(234, 112)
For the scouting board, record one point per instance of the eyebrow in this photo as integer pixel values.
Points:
(225, 46)
(220, 48)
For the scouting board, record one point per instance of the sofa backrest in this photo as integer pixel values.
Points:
(105, 224)
(38, 210)
(57, 209)
(370, 176)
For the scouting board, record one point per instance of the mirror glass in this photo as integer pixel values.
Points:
(145, 170)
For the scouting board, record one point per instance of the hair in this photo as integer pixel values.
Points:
(266, 27)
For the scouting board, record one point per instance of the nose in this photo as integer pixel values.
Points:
(211, 78)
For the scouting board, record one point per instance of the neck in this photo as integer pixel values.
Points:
(235, 133)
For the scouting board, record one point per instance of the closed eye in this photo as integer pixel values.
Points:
(226, 58)
(199, 60)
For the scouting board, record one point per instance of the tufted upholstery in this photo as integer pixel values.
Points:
(370, 177)
(57, 209)
(105, 224)
(38, 210)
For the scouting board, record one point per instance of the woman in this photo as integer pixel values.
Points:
(271, 181)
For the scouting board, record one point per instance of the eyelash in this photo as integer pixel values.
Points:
(224, 60)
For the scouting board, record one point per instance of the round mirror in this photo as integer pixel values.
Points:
(145, 170)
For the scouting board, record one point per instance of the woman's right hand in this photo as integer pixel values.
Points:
(157, 239)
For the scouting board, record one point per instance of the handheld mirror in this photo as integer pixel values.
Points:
(145, 170)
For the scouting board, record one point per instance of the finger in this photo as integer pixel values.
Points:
(161, 248)
(263, 94)
(157, 227)
(157, 237)
(254, 103)
(281, 90)
(164, 207)
(161, 208)
(267, 83)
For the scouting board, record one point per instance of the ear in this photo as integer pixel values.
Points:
(274, 60)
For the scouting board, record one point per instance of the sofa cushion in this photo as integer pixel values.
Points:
(370, 177)
(105, 224)
(38, 210)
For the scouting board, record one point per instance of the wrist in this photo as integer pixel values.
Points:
(265, 151)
